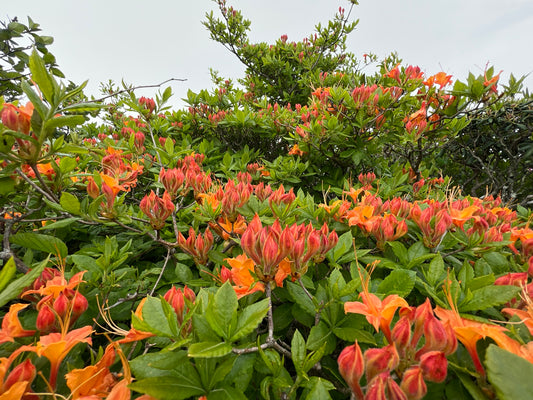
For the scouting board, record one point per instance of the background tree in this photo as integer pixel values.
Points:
(16, 39)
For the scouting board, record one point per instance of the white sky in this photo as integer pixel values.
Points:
(148, 42)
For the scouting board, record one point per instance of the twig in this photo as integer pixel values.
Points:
(169, 252)
(139, 87)
(35, 186)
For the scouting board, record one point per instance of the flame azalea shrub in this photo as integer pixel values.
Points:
(141, 259)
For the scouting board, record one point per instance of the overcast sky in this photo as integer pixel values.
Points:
(148, 42)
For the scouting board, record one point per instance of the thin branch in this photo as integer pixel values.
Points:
(139, 87)
(169, 252)
(35, 186)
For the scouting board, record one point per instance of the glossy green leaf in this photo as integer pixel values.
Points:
(319, 389)
(209, 349)
(15, 287)
(37, 241)
(222, 311)
(41, 76)
(298, 351)
(509, 374)
(157, 317)
(70, 203)
(435, 271)
(399, 281)
(168, 387)
(249, 318)
(7, 273)
(489, 296)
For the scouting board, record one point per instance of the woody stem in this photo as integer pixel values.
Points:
(268, 292)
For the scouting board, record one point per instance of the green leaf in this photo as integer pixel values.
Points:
(509, 374)
(209, 349)
(222, 311)
(41, 76)
(319, 388)
(169, 387)
(318, 336)
(64, 120)
(59, 224)
(14, 289)
(37, 241)
(162, 363)
(298, 351)
(70, 203)
(399, 281)
(489, 296)
(343, 246)
(160, 321)
(300, 297)
(40, 107)
(226, 393)
(250, 317)
(7, 186)
(351, 334)
(435, 271)
(7, 273)
(400, 251)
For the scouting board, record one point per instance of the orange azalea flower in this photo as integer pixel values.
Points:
(225, 227)
(56, 346)
(296, 151)
(11, 326)
(360, 216)
(337, 209)
(459, 217)
(241, 275)
(94, 380)
(377, 312)
(469, 332)
(113, 183)
(440, 79)
(57, 284)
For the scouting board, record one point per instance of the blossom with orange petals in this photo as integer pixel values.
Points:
(378, 312)
(11, 326)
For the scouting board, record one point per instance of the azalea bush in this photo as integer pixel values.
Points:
(260, 242)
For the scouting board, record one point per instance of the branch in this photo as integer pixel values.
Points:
(139, 87)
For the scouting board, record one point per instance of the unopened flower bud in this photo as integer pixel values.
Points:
(434, 366)
(413, 383)
(381, 359)
(24, 372)
(46, 320)
(352, 366)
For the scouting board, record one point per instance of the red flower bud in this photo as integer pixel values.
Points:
(172, 180)
(24, 372)
(413, 383)
(139, 141)
(401, 334)
(434, 366)
(175, 298)
(79, 306)
(61, 305)
(376, 387)
(381, 359)
(92, 188)
(225, 274)
(394, 391)
(157, 209)
(352, 366)
(46, 320)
